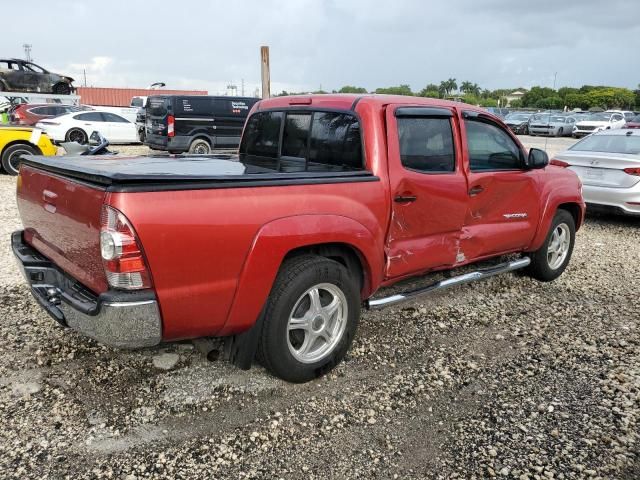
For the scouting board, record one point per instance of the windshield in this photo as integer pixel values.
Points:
(558, 119)
(599, 117)
(629, 144)
(635, 119)
(522, 117)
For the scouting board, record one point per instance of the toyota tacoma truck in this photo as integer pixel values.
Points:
(277, 249)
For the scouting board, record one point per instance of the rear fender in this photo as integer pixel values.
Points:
(279, 237)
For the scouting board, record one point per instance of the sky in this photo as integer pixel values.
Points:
(327, 44)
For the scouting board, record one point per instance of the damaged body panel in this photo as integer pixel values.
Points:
(22, 76)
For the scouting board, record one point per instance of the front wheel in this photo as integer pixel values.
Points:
(560, 132)
(310, 318)
(11, 157)
(552, 258)
(62, 89)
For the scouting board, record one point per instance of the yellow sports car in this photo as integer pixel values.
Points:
(18, 141)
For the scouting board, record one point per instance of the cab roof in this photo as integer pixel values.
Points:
(348, 101)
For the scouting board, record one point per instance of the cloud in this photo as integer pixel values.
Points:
(330, 43)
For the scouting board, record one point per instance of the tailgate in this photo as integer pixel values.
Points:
(61, 219)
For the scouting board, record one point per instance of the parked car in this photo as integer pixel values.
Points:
(552, 124)
(330, 198)
(18, 141)
(22, 76)
(598, 121)
(608, 163)
(633, 123)
(32, 113)
(518, 122)
(197, 124)
(77, 127)
(498, 112)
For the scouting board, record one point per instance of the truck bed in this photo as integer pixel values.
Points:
(163, 172)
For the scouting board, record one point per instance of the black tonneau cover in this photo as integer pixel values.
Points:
(164, 172)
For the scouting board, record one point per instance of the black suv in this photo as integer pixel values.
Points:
(197, 124)
(22, 76)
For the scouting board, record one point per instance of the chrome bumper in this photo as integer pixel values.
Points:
(119, 319)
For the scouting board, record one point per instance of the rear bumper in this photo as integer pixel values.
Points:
(623, 200)
(177, 144)
(119, 319)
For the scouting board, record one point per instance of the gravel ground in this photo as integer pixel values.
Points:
(508, 378)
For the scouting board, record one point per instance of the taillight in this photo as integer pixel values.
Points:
(632, 171)
(171, 124)
(122, 256)
(558, 163)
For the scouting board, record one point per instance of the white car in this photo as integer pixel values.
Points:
(597, 122)
(78, 127)
(608, 164)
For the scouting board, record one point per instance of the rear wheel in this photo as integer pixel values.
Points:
(61, 89)
(11, 157)
(310, 319)
(200, 147)
(77, 135)
(552, 258)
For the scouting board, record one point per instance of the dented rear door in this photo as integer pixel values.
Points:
(428, 189)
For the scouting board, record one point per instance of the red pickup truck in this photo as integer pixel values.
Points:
(276, 249)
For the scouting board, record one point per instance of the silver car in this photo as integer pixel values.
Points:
(608, 163)
(551, 124)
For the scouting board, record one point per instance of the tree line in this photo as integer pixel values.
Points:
(585, 97)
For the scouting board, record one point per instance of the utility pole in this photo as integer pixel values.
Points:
(242, 86)
(27, 51)
(555, 76)
(265, 69)
(84, 73)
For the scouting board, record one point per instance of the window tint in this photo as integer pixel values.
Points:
(40, 110)
(262, 135)
(491, 148)
(89, 117)
(426, 144)
(112, 117)
(295, 135)
(335, 140)
(157, 106)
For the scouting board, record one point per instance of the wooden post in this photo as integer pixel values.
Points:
(266, 76)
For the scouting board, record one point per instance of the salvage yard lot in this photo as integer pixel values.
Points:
(509, 377)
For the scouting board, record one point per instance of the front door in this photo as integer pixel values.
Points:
(503, 199)
(428, 189)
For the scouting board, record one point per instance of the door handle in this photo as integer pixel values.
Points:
(405, 198)
(475, 190)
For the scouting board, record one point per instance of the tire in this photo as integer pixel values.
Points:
(552, 258)
(61, 89)
(77, 135)
(11, 157)
(305, 289)
(560, 132)
(200, 147)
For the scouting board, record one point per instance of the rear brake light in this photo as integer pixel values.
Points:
(171, 124)
(632, 171)
(122, 256)
(558, 163)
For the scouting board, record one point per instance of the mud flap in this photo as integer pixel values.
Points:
(242, 348)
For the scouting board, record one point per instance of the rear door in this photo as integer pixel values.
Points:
(428, 188)
(502, 196)
(120, 129)
(158, 109)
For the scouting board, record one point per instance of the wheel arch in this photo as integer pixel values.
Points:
(21, 142)
(339, 238)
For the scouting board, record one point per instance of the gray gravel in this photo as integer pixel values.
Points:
(508, 378)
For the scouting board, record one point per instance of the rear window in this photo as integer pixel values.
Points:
(319, 141)
(629, 144)
(158, 106)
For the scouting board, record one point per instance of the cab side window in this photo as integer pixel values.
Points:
(491, 148)
(426, 144)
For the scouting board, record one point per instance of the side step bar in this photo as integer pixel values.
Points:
(378, 303)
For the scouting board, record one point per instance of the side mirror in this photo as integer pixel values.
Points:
(537, 159)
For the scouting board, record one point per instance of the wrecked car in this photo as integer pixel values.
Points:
(22, 76)
(276, 250)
